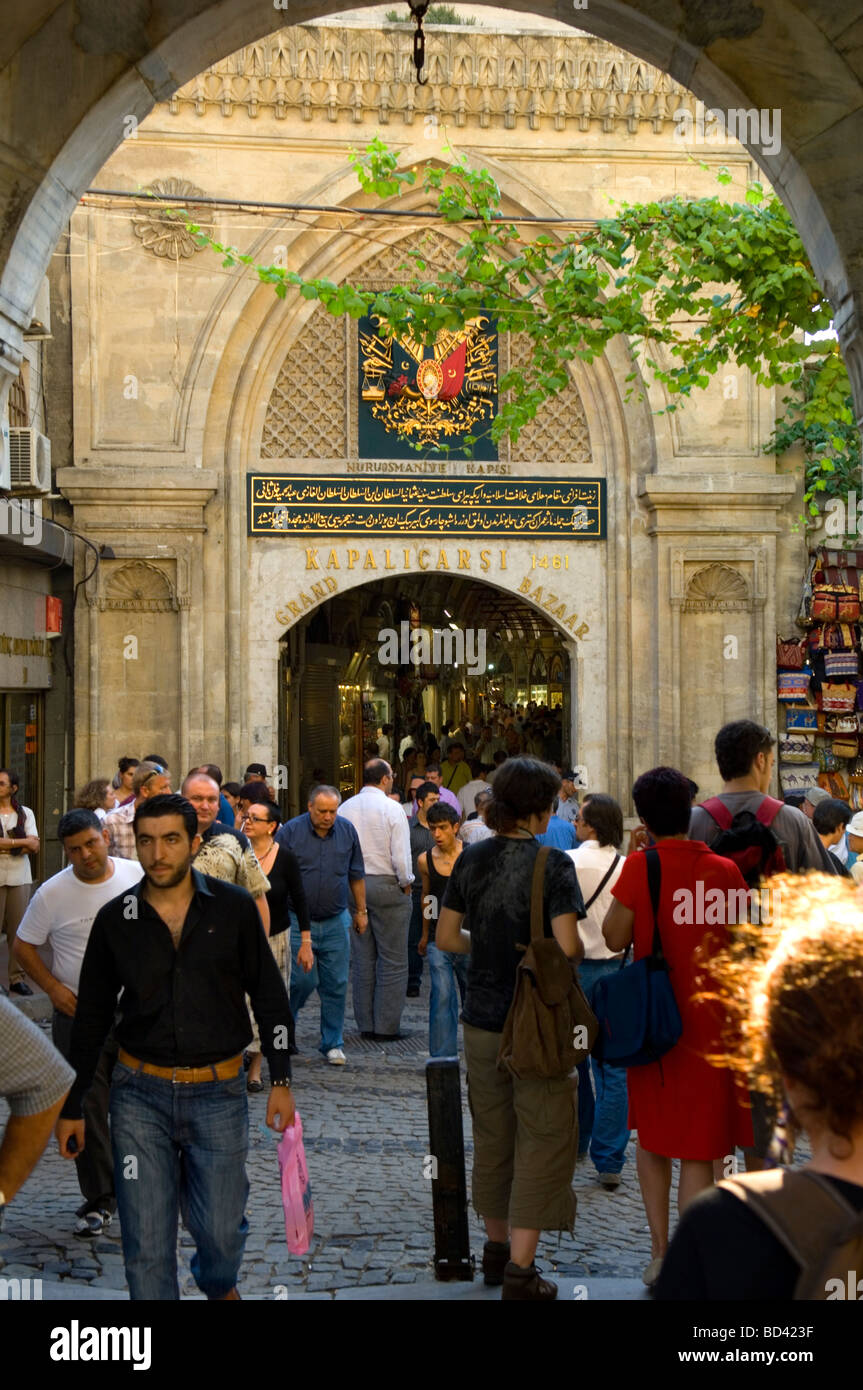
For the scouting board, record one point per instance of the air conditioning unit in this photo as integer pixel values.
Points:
(29, 461)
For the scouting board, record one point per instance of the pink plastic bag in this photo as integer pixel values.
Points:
(296, 1189)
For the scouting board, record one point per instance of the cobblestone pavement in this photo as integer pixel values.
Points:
(366, 1132)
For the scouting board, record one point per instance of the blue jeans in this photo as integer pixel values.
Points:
(331, 943)
(415, 931)
(189, 1145)
(446, 969)
(602, 1123)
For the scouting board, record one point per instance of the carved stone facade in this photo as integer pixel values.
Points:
(716, 589)
(138, 587)
(188, 377)
(565, 82)
(310, 423)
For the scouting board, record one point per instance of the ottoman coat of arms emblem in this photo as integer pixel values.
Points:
(430, 395)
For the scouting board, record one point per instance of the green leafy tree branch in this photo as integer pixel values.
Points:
(694, 285)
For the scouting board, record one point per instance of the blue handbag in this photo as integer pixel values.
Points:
(639, 1020)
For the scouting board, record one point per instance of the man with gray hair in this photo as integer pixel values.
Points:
(328, 850)
(150, 779)
(380, 955)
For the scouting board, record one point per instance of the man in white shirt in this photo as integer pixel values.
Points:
(380, 955)
(61, 915)
(602, 1123)
(473, 830)
(468, 793)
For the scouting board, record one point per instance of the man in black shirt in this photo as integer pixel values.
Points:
(183, 948)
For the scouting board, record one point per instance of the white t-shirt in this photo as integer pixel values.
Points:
(592, 862)
(61, 912)
(469, 791)
(15, 868)
(474, 830)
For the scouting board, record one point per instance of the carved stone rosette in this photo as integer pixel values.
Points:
(163, 234)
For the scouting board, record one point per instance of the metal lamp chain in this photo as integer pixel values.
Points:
(418, 12)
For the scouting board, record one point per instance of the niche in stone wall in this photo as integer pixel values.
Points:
(716, 662)
(139, 657)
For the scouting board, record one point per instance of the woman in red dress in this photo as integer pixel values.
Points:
(681, 1106)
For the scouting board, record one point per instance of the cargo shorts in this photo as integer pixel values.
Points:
(525, 1136)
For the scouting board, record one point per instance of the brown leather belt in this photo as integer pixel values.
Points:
(216, 1071)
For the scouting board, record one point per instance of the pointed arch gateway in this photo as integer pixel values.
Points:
(301, 420)
(428, 647)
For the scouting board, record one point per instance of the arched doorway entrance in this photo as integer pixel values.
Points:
(400, 658)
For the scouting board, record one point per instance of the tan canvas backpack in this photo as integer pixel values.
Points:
(550, 1027)
(817, 1226)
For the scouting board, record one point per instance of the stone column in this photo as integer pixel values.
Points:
(152, 589)
(719, 546)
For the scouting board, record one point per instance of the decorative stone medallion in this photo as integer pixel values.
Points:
(163, 234)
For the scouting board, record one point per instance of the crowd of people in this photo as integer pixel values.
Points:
(217, 920)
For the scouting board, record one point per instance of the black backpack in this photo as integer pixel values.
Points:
(747, 839)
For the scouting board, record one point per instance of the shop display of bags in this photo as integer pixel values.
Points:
(801, 719)
(797, 748)
(832, 603)
(792, 685)
(838, 664)
(845, 747)
(841, 724)
(798, 778)
(835, 784)
(833, 637)
(820, 680)
(838, 697)
(791, 654)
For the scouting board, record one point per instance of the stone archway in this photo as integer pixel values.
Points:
(336, 635)
(243, 408)
(110, 64)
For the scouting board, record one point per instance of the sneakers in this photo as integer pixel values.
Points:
(526, 1285)
(336, 1057)
(93, 1223)
(610, 1181)
(495, 1258)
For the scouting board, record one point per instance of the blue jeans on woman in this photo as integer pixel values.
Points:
(448, 974)
(603, 1128)
(179, 1149)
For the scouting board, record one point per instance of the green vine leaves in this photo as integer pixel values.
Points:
(694, 286)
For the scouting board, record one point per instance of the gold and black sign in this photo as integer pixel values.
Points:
(414, 398)
(300, 505)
